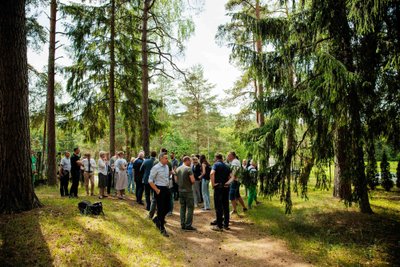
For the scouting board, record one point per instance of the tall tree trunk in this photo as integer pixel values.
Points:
(340, 31)
(42, 159)
(112, 80)
(342, 179)
(16, 189)
(290, 149)
(145, 80)
(260, 89)
(51, 172)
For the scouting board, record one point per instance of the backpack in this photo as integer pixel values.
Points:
(86, 208)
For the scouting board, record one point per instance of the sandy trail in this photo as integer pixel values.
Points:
(243, 245)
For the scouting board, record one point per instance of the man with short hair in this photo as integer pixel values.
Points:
(145, 169)
(234, 190)
(175, 165)
(89, 165)
(65, 169)
(185, 179)
(75, 172)
(253, 186)
(219, 177)
(159, 181)
(138, 177)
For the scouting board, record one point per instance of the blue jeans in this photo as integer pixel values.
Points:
(206, 193)
(130, 182)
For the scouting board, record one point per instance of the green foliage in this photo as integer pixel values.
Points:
(398, 174)
(386, 177)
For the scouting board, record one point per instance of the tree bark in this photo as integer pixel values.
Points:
(16, 189)
(51, 172)
(260, 88)
(145, 80)
(112, 80)
(342, 179)
(341, 34)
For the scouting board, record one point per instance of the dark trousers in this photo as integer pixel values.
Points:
(75, 183)
(163, 205)
(109, 182)
(64, 180)
(176, 191)
(139, 191)
(221, 203)
(147, 194)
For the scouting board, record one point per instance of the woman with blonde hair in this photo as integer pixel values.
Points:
(103, 173)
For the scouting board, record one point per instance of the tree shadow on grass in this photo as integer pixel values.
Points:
(22, 241)
(346, 229)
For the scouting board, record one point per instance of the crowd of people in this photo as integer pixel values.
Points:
(162, 180)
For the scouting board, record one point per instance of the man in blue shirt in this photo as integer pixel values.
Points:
(220, 175)
(138, 177)
(175, 165)
(145, 169)
(159, 182)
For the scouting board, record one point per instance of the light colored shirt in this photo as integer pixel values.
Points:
(235, 166)
(102, 167)
(159, 175)
(66, 164)
(85, 163)
(118, 164)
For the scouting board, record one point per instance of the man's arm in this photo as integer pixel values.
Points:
(192, 180)
(232, 175)
(155, 188)
(152, 175)
(212, 178)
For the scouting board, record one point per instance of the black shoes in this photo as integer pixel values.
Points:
(190, 228)
(216, 228)
(164, 233)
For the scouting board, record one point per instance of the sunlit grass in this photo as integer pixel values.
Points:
(326, 232)
(58, 235)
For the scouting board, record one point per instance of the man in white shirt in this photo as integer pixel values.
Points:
(89, 165)
(65, 169)
(159, 182)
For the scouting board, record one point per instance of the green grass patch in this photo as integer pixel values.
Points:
(325, 232)
(58, 235)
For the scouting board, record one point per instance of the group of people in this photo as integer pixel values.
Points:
(162, 180)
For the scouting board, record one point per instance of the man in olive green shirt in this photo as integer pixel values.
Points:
(185, 179)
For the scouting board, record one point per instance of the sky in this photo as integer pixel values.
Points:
(200, 49)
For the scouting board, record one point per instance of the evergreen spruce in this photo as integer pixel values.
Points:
(386, 179)
(398, 175)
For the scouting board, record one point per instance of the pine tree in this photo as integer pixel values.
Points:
(386, 177)
(398, 175)
(16, 188)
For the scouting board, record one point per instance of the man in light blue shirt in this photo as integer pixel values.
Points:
(65, 169)
(159, 181)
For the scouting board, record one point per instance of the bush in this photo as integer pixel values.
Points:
(386, 177)
(372, 179)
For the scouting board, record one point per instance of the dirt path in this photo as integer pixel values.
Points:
(243, 245)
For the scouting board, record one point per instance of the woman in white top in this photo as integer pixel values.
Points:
(102, 163)
(120, 170)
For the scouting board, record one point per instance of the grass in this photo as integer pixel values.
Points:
(58, 235)
(321, 230)
(327, 233)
